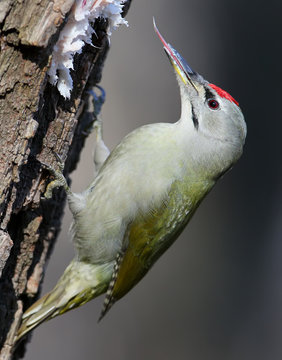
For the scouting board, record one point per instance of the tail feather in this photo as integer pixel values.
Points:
(40, 311)
(79, 284)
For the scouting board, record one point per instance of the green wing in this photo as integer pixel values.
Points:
(149, 236)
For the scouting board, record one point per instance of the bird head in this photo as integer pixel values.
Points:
(213, 117)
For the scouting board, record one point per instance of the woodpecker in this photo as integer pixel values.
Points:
(144, 194)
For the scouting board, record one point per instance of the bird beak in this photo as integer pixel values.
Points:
(180, 65)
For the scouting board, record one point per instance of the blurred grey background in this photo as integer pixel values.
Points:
(217, 292)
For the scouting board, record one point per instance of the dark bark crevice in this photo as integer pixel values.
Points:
(36, 124)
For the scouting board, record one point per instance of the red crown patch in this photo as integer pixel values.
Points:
(223, 94)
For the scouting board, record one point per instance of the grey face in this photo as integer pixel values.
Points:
(217, 114)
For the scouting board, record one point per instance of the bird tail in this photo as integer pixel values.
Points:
(80, 283)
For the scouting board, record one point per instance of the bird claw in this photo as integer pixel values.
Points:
(94, 107)
(59, 179)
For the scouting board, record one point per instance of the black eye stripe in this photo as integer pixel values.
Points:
(208, 94)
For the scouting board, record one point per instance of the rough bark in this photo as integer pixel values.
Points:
(36, 123)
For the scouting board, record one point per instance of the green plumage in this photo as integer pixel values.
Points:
(151, 234)
(143, 196)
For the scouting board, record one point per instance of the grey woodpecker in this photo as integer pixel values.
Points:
(144, 194)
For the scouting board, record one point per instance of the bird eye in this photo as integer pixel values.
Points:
(213, 104)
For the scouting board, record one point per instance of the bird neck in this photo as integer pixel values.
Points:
(202, 159)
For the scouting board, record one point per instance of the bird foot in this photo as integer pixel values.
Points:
(59, 179)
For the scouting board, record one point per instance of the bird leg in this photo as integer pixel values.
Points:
(101, 152)
(59, 181)
(93, 123)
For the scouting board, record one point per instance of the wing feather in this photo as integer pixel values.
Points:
(151, 234)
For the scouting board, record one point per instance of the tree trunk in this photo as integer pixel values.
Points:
(36, 124)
